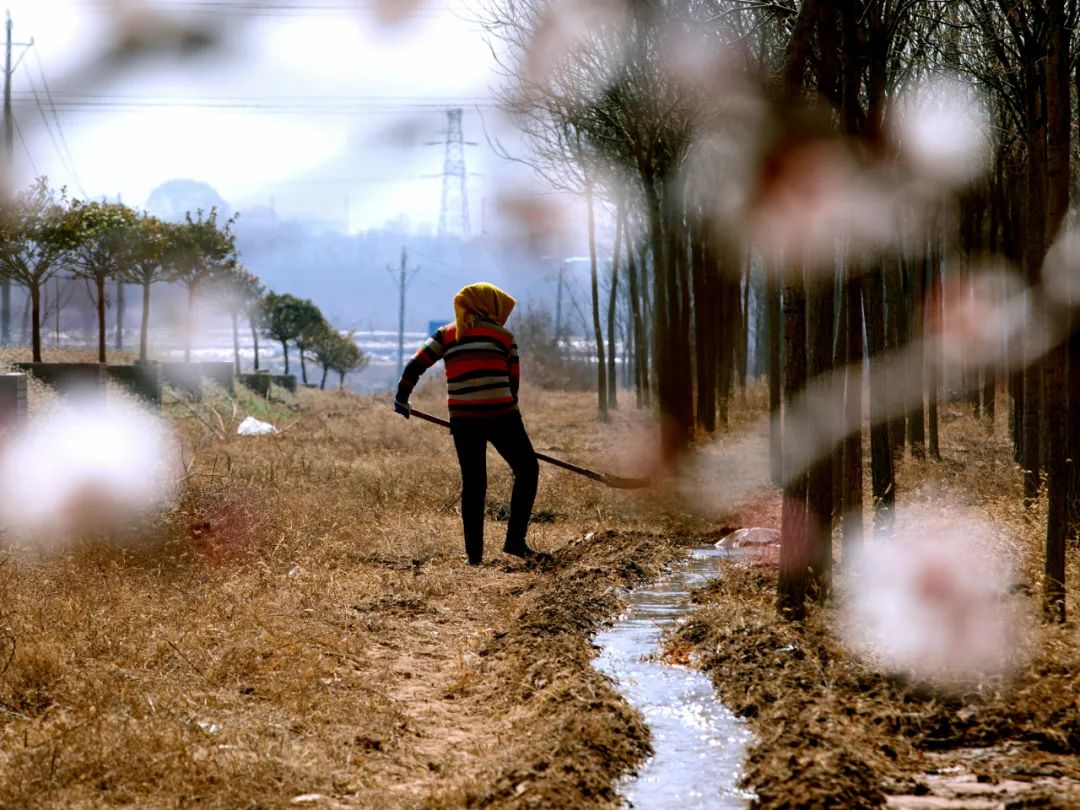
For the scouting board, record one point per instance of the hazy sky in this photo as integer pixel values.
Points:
(309, 103)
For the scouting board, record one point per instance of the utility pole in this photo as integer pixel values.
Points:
(404, 277)
(121, 302)
(8, 183)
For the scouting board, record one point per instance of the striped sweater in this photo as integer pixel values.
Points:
(482, 370)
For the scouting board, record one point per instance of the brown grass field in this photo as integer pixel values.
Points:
(304, 623)
(302, 630)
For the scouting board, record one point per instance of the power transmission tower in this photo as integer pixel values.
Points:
(404, 277)
(454, 212)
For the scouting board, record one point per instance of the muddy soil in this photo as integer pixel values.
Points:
(832, 733)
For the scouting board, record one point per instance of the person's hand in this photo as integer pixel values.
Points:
(402, 408)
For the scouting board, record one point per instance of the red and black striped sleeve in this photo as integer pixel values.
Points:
(427, 356)
(515, 368)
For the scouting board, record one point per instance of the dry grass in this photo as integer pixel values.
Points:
(304, 623)
(832, 733)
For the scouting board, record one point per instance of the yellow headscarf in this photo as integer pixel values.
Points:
(481, 301)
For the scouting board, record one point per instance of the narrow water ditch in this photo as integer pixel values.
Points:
(699, 744)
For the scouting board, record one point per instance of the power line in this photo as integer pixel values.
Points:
(278, 5)
(88, 104)
(59, 128)
(52, 136)
(22, 140)
(435, 99)
(278, 9)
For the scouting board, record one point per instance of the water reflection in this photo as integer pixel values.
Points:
(699, 743)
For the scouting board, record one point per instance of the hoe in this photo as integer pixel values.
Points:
(610, 480)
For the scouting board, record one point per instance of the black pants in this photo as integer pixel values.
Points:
(507, 434)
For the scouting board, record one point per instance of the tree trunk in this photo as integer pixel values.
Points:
(35, 319)
(254, 341)
(933, 368)
(303, 363)
(598, 334)
(881, 456)
(743, 344)
(679, 300)
(189, 326)
(821, 311)
(121, 309)
(322, 382)
(1057, 488)
(341, 379)
(794, 554)
(612, 380)
(852, 491)
(776, 441)
(285, 352)
(641, 379)
(1056, 369)
(1034, 251)
(663, 361)
(727, 309)
(5, 311)
(916, 418)
(703, 268)
(236, 339)
(648, 325)
(761, 331)
(894, 344)
(1073, 413)
(99, 283)
(144, 325)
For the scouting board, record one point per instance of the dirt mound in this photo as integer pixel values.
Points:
(832, 733)
(576, 735)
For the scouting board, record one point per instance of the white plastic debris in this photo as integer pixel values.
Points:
(253, 427)
(756, 537)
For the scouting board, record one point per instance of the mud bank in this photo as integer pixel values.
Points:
(567, 736)
(832, 734)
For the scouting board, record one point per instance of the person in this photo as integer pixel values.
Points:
(482, 378)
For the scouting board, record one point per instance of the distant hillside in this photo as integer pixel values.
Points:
(350, 279)
(348, 276)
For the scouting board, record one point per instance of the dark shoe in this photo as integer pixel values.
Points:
(475, 562)
(521, 550)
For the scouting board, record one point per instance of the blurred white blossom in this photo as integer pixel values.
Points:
(943, 131)
(86, 467)
(933, 603)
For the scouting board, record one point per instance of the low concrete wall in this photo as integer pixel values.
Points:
(286, 381)
(12, 401)
(185, 376)
(224, 374)
(83, 379)
(142, 379)
(258, 381)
